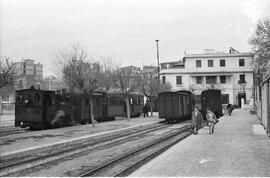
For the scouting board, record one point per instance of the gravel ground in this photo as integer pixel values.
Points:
(73, 166)
(38, 138)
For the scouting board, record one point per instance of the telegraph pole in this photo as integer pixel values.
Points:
(158, 62)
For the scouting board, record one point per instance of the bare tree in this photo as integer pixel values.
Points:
(150, 87)
(7, 77)
(108, 76)
(7, 72)
(79, 72)
(260, 42)
(128, 82)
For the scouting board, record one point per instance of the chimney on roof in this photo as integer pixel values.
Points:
(233, 51)
(209, 51)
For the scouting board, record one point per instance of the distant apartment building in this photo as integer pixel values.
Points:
(230, 72)
(149, 72)
(29, 67)
(130, 70)
(28, 73)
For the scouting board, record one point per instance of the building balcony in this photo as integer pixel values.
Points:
(207, 86)
(242, 82)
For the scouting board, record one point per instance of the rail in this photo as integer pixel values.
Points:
(10, 167)
(95, 172)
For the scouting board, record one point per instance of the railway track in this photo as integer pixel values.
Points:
(128, 162)
(5, 131)
(16, 167)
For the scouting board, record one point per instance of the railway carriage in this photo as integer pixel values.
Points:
(136, 103)
(176, 106)
(81, 104)
(115, 104)
(211, 99)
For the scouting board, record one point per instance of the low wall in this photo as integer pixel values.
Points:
(7, 109)
(258, 108)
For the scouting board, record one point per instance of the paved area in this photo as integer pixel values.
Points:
(239, 147)
(39, 139)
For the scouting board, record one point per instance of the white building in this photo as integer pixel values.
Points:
(230, 72)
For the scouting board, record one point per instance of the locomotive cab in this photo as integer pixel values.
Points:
(38, 109)
(31, 107)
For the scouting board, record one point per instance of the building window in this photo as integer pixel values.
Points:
(211, 79)
(20, 84)
(222, 63)
(222, 79)
(163, 66)
(210, 63)
(224, 98)
(38, 85)
(199, 80)
(241, 62)
(198, 63)
(163, 80)
(242, 78)
(178, 80)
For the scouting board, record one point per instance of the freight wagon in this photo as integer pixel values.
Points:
(211, 99)
(176, 106)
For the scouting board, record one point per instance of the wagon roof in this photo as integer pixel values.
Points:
(210, 90)
(179, 92)
(117, 93)
(49, 91)
(136, 93)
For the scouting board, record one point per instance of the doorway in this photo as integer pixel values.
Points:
(240, 96)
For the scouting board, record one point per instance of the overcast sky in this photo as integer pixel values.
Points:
(127, 29)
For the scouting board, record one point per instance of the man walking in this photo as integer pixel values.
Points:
(145, 110)
(196, 120)
(211, 118)
(229, 109)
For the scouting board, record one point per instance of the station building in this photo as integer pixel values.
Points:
(230, 72)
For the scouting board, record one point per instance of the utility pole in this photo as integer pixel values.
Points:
(158, 62)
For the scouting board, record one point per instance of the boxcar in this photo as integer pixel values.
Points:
(176, 106)
(211, 99)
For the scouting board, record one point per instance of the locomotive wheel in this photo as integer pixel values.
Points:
(83, 122)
